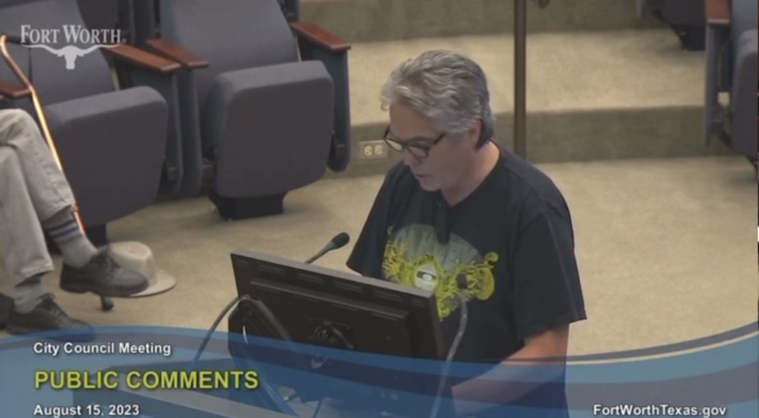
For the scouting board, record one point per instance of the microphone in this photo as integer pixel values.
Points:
(338, 241)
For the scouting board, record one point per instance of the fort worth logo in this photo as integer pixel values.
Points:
(71, 36)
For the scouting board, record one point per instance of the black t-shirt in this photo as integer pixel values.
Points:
(512, 238)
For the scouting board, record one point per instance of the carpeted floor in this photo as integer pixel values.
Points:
(665, 247)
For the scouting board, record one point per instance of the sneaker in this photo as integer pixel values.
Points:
(47, 316)
(103, 277)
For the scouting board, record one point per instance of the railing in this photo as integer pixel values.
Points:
(520, 74)
(291, 8)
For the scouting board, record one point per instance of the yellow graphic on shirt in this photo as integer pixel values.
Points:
(415, 258)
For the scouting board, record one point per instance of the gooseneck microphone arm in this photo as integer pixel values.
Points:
(462, 284)
(338, 241)
(320, 254)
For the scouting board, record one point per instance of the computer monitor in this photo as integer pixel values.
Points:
(309, 304)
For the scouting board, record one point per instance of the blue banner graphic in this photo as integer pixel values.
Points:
(157, 373)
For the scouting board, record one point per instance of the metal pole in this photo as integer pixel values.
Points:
(520, 78)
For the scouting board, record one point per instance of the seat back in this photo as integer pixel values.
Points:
(743, 75)
(743, 17)
(684, 12)
(231, 35)
(99, 14)
(66, 64)
(291, 9)
(743, 124)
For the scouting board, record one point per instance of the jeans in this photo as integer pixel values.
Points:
(32, 188)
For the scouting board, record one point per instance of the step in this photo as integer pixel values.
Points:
(388, 20)
(592, 96)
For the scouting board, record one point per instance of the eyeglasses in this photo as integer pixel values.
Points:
(419, 148)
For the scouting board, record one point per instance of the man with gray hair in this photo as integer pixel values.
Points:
(462, 216)
(36, 198)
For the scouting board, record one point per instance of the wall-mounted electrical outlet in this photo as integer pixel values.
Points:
(372, 150)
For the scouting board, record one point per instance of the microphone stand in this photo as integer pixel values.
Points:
(106, 302)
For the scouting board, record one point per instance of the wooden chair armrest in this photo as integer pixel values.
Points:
(176, 53)
(319, 36)
(144, 59)
(717, 12)
(13, 90)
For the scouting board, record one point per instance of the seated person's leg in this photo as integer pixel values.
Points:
(85, 268)
(25, 254)
(48, 200)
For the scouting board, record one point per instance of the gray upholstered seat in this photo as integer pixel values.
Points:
(268, 116)
(111, 142)
(732, 69)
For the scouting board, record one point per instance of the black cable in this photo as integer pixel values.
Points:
(216, 323)
(318, 408)
(235, 302)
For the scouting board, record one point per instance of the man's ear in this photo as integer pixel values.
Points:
(475, 131)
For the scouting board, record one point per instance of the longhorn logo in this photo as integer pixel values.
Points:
(70, 52)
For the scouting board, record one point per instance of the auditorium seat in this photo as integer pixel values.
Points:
(106, 14)
(112, 143)
(100, 14)
(269, 112)
(291, 9)
(732, 70)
